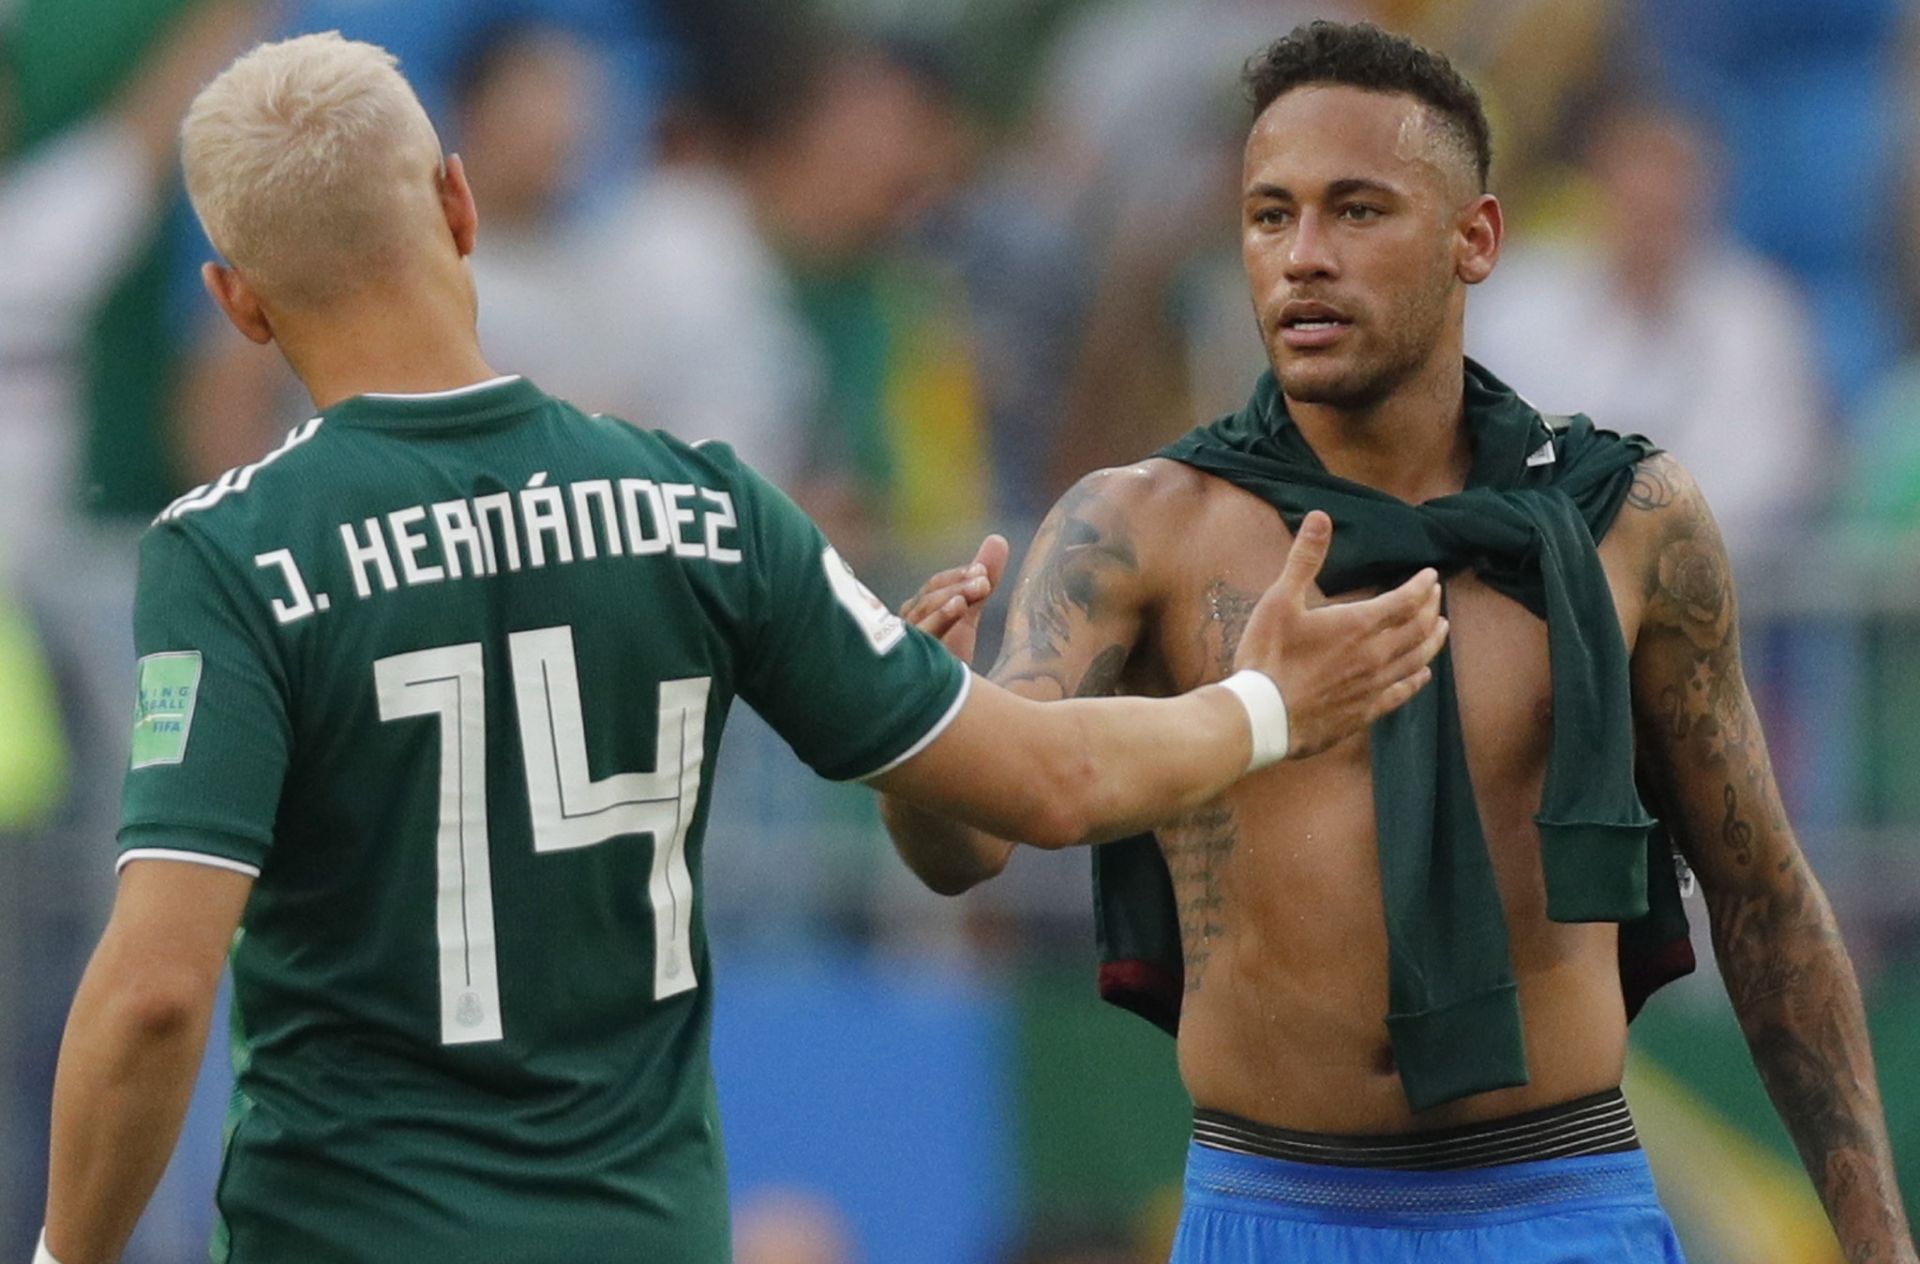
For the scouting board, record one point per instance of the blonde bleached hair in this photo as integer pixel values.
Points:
(311, 165)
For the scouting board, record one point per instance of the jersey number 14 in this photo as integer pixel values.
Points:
(569, 808)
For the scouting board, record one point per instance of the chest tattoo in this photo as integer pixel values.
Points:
(1224, 614)
(1197, 847)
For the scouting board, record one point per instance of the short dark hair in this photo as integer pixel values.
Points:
(1361, 55)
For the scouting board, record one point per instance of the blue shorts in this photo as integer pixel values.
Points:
(1598, 1209)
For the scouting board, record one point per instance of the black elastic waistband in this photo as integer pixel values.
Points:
(1599, 1124)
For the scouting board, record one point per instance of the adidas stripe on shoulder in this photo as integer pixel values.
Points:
(237, 479)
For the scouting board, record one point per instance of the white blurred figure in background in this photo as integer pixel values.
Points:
(1662, 324)
(74, 210)
(822, 164)
(715, 350)
(525, 112)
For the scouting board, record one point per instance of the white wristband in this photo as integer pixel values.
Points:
(1266, 712)
(40, 1253)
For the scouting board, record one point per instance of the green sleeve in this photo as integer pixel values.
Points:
(211, 733)
(842, 679)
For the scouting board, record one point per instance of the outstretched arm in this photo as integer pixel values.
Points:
(1780, 952)
(1087, 769)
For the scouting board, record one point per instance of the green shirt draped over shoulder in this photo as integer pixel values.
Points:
(1538, 497)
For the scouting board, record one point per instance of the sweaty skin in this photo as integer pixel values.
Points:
(1155, 567)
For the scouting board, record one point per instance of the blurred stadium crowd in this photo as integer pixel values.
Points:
(924, 264)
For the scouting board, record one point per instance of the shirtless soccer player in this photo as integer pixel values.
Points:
(424, 703)
(1403, 1024)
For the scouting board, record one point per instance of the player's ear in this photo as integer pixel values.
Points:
(236, 299)
(1477, 245)
(456, 202)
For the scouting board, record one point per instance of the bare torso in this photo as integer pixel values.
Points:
(1278, 881)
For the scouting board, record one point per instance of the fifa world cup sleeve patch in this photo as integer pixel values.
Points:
(169, 686)
(881, 626)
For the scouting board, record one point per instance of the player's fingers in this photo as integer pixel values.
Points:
(1378, 645)
(939, 580)
(1401, 636)
(1380, 634)
(918, 606)
(942, 618)
(1442, 629)
(929, 605)
(1418, 598)
(1392, 629)
(1416, 656)
(961, 638)
(973, 590)
(1304, 559)
(1420, 593)
(1398, 694)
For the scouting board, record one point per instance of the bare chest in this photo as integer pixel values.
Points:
(1497, 648)
(1277, 883)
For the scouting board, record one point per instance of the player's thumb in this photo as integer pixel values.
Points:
(1308, 554)
(992, 554)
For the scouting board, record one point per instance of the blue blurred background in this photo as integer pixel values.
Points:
(924, 264)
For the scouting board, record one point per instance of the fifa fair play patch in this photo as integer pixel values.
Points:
(881, 626)
(169, 684)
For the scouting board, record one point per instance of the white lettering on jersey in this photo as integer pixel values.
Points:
(721, 519)
(679, 516)
(374, 550)
(545, 512)
(410, 543)
(558, 524)
(639, 540)
(500, 505)
(601, 490)
(454, 518)
(300, 603)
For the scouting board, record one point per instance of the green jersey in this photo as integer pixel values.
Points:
(446, 673)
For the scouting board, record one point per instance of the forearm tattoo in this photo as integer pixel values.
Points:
(1785, 966)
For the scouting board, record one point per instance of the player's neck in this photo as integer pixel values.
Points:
(1413, 444)
(399, 345)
